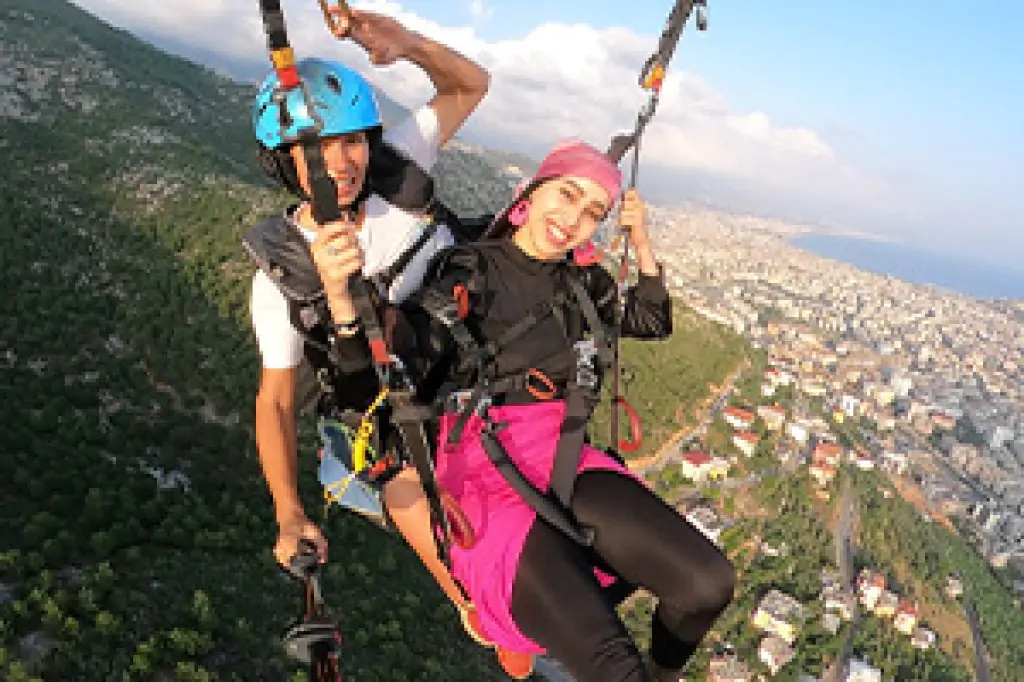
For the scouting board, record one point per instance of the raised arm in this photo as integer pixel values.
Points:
(460, 83)
(647, 313)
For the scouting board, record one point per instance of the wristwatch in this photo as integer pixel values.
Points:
(347, 328)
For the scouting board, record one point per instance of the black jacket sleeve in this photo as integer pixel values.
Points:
(422, 332)
(648, 310)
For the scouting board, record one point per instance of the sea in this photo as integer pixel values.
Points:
(973, 278)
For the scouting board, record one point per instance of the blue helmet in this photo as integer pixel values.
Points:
(342, 100)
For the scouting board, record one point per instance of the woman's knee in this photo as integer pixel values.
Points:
(713, 587)
(721, 586)
(404, 493)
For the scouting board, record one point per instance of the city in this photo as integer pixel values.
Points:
(921, 364)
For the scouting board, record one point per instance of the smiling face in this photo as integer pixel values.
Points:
(346, 158)
(564, 213)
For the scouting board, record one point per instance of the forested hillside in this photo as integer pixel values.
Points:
(135, 528)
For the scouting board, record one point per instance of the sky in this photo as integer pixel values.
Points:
(902, 121)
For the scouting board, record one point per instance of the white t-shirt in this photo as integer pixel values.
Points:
(386, 232)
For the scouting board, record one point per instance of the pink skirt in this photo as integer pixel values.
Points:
(499, 516)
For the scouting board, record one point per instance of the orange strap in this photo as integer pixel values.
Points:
(381, 465)
(461, 295)
(540, 393)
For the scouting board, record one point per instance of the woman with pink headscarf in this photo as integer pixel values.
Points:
(533, 588)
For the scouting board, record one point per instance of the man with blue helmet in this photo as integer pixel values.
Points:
(343, 105)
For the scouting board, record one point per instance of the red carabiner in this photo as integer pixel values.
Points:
(635, 427)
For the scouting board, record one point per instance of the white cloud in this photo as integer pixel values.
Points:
(542, 91)
(480, 10)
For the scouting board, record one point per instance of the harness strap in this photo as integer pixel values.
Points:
(554, 506)
(447, 311)
(579, 404)
(546, 508)
(388, 275)
(409, 420)
(487, 352)
(593, 318)
(473, 354)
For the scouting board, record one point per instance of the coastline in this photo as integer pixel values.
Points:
(897, 258)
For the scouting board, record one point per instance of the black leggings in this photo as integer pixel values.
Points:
(557, 601)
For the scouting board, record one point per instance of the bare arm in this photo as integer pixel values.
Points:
(276, 440)
(461, 84)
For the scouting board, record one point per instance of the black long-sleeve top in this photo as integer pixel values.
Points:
(504, 285)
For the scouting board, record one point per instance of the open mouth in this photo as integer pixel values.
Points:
(557, 235)
(344, 185)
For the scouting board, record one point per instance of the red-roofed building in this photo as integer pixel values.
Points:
(695, 465)
(699, 466)
(745, 441)
(906, 617)
(822, 473)
(738, 418)
(827, 453)
(774, 416)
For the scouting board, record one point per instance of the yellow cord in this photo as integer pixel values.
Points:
(333, 492)
(362, 440)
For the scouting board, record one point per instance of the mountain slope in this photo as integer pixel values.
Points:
(125, 350)
(135, 529)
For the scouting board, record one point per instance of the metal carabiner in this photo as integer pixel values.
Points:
(329, 12)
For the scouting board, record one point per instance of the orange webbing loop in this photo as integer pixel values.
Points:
(461, 295)
(540, 393)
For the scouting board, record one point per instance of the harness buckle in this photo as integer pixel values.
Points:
(458, 402)
(586, 367)
(302, 638)
(323, 379)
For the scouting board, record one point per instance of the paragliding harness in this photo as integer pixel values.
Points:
(581, 394)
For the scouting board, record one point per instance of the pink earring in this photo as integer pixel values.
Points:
(517, 214)
(586, 254)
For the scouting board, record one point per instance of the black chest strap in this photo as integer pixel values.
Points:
(580, 401)
(581, 395)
